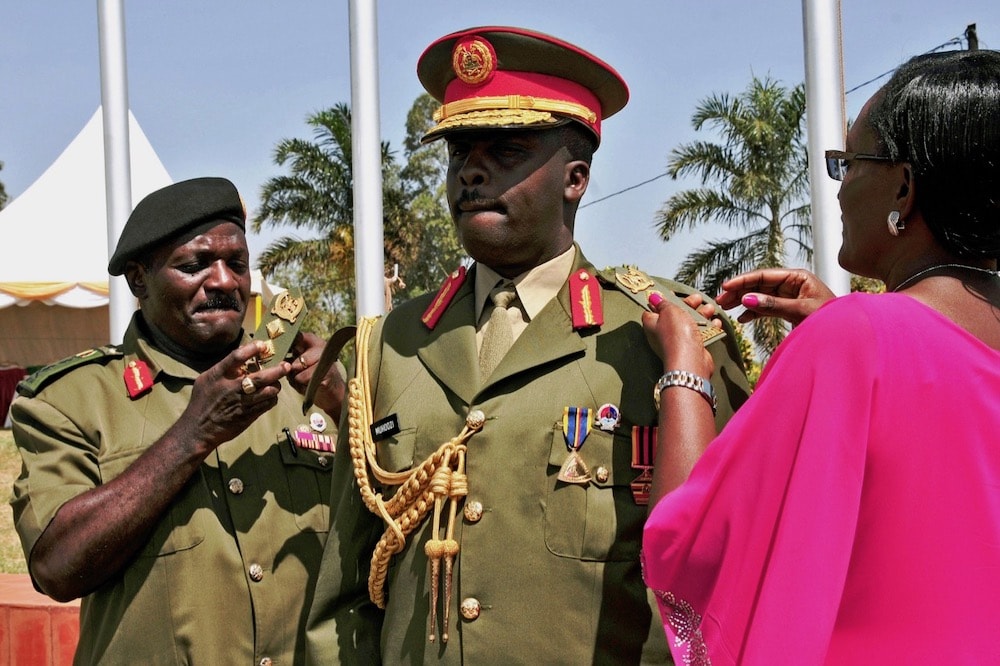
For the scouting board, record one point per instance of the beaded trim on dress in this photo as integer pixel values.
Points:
(686, 624)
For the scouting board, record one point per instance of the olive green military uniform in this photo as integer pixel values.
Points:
(548, 572)
(226, 575)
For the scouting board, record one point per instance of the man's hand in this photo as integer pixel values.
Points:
(308, 348)
(226, 399)
(791, 294)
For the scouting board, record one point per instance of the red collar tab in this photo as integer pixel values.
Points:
(138, 378)
(447, 292)
(585, 299)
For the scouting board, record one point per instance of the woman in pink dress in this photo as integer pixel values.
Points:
(850, 512)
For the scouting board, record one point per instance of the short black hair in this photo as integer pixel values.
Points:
(579, 140)
(940, 112)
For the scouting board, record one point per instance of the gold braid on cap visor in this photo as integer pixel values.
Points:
(516, 106)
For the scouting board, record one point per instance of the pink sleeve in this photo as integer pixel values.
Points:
(749, 556)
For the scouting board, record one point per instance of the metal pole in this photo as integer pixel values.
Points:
(366, 148)
(117, 169)
(826, 127)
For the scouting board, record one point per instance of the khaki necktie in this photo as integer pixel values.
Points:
(499, 334)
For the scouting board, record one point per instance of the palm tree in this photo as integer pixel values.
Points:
(317, 196)
(754, 181)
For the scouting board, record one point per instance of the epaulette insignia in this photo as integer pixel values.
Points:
(585, 300)
(447, 292)
(138, 378)
(31, 385)
(278, 328)
(637, 285)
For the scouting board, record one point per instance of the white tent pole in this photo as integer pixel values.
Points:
(367, 159)
(117, 169)
(826, 129)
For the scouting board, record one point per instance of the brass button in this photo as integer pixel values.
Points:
(256, 572)
(473, 511)
(235, 486)
(470, 608)
(475, 419)
(265, 661)
(602, 474)
(323, 461)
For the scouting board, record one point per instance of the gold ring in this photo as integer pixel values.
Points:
(302, 360)
(247, 385)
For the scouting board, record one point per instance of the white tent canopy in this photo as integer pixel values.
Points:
(55, 263)
(54, 237)
(55, 233)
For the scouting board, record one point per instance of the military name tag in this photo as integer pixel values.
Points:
(385, 428)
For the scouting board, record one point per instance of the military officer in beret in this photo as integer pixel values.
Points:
(491, 507)
(166, 480)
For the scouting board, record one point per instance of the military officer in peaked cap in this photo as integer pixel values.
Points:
(491, 508)
(173, 481)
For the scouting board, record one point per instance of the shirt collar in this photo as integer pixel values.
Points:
(535, 288)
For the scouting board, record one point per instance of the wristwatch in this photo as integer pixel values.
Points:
(688, 380)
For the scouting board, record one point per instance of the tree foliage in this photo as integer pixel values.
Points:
(3, 191)
(315, 197)
(754, 180)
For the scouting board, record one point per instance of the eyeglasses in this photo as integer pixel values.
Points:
(836, 162)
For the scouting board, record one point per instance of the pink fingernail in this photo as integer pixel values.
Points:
(655, 299)
(751, 301)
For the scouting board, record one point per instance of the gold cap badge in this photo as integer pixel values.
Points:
(474, 60)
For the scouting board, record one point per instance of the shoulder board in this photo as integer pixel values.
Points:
(637, 285)
(31, 385)
(278, 327)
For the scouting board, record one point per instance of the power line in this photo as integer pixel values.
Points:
(614, 194)
(950, 42)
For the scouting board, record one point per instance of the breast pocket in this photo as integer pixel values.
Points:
(396, 453)
(182, 527)
(308, 476)
(597, 520)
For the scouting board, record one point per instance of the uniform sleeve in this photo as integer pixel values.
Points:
(730, 379)
(59, 463)
(344, 626)
(748, 558)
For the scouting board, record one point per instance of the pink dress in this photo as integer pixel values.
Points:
(850, 512)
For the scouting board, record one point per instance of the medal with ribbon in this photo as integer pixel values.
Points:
(643, 452)
(576, 427)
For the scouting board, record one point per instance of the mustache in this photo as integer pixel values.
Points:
(220, 302)
(472, 199)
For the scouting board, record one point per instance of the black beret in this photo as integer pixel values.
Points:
(174, 209)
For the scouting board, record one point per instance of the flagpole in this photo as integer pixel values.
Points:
(366, 148)
(117, 169)
(826, 128)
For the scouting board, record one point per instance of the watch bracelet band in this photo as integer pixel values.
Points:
(687, 380)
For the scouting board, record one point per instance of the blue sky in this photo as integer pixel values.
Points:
(216, 84)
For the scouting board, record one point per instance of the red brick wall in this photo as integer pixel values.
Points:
(35, 630)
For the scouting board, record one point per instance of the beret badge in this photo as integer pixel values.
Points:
(474, 60)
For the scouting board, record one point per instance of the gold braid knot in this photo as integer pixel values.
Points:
(438, 479)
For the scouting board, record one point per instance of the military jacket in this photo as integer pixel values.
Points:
(548, 571)
(225, 577)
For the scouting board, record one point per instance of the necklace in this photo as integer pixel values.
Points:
(937, 266)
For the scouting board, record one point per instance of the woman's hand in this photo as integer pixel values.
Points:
(789, 293)
(673, 334)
